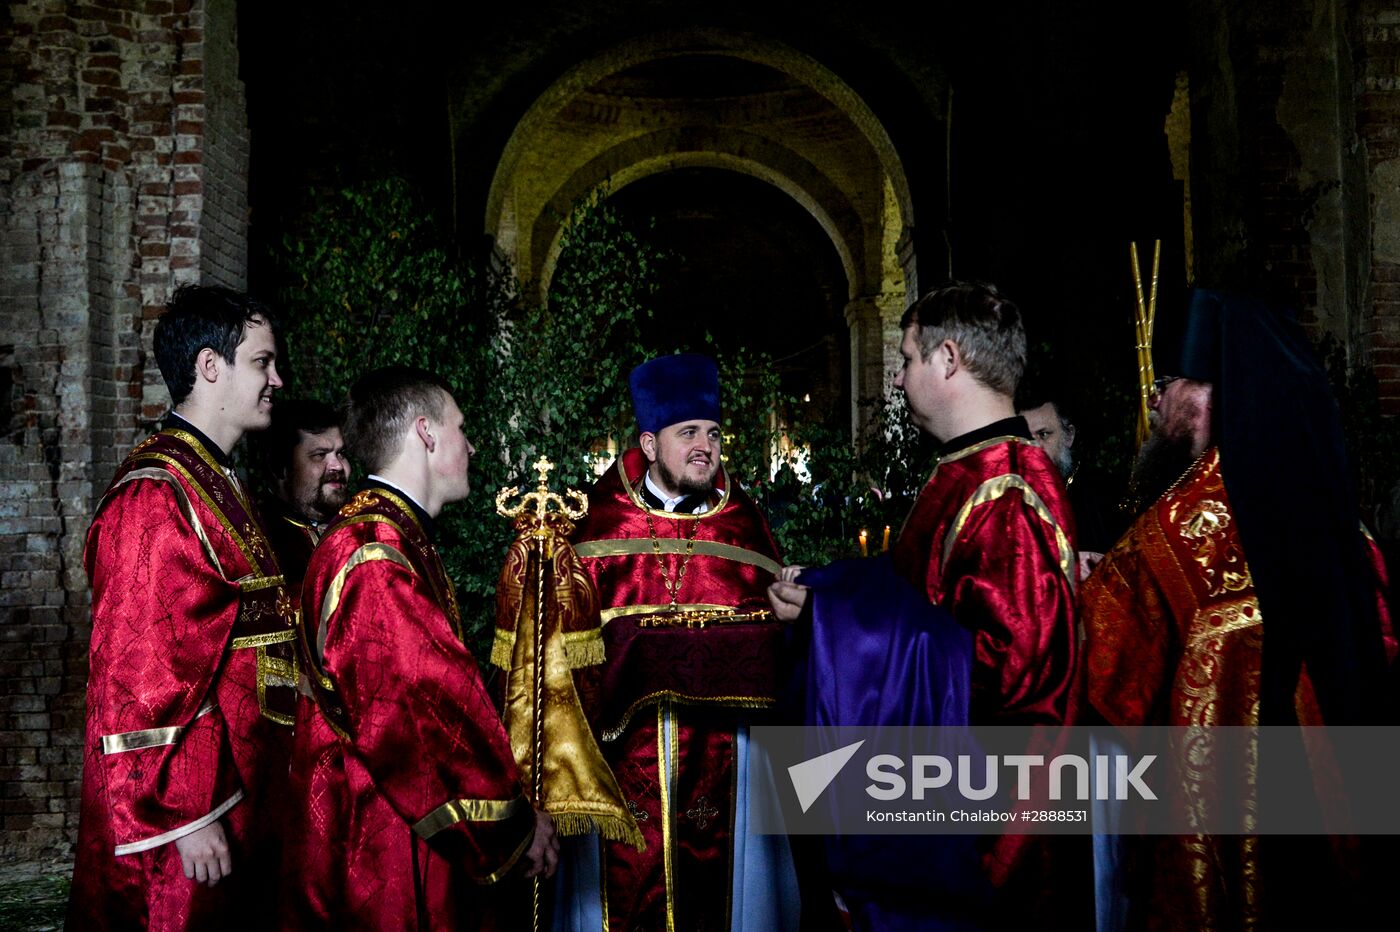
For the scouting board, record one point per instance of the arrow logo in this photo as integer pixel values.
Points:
(811, 777)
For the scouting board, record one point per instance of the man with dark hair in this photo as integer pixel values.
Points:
(1235, 601)
(681, 558)
(192, 676)
(406, 792)
(303, 455)
(991, 540)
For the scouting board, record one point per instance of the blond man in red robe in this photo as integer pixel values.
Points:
(991, 540)
(406, 802)
(192, 679)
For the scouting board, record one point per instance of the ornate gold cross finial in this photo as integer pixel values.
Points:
(543, 467)
(540, 500)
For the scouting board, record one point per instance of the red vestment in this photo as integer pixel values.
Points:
(405, 793)
(991, 540)
(688, 683)
(1175, 637)
(190, 691)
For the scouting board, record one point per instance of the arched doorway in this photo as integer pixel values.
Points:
(721, 104)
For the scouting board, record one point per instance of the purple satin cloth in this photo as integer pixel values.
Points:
(878, 653)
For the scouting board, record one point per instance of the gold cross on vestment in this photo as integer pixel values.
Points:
(702, 812)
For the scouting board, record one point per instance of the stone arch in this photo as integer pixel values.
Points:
(776, 114)
(640, 159)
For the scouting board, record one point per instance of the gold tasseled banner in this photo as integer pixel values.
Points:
(584, 648)
(502, 646)
(576, 786)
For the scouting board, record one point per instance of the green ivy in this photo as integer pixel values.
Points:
(372, 281)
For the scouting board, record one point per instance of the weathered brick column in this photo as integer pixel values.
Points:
(123, 165)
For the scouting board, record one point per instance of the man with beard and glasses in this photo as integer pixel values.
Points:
(304, 457)
(681, 559)
(1095, 517)
(192, 680)
(1250, 529)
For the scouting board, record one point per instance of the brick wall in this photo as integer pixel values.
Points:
(105, 190)
(1296, 165)
(1376, 37)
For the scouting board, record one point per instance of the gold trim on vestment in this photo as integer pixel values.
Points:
(1217, 620)
(262, 640)
(186, 507)
(274, 671)
(640, 502)
(995, 488)
(631, 546)
(402, 505)
(136, 847)
(735, 702)
(250, 552)
(148, 737)
(664, 760)
(983, 445)
(621, 611)
(366, 553)
(467, 810)
(603, 882)
(254, 583)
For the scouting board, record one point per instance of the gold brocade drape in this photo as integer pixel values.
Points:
(576, 786)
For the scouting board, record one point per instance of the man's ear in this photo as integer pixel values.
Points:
(425, 433)
(647, 441)
(207, 364)
(949, 355)
(1069, 435)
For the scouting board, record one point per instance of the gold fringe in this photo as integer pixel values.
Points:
(585, 650)
(609, 827)
(502, 646)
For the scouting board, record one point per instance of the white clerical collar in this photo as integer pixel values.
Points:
(397, 488)
(666, 501)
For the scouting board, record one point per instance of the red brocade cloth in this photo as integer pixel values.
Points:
(991, 539)
(1175, 637)
(405, 797)
(701, 678)
(191, 688)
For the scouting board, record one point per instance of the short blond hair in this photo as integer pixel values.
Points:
(984, 324)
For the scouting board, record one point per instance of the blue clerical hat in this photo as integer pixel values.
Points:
(670, 389)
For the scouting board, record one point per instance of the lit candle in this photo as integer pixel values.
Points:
(863, 551)
(885, 544)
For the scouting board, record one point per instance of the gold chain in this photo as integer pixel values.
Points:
(1189, 469)
(672, 588)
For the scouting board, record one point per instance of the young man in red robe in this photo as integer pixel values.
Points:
(990, 539)
(405, 796)
(192, 678)
(681, 558)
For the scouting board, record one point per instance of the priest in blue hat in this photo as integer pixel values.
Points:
(682, 559)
